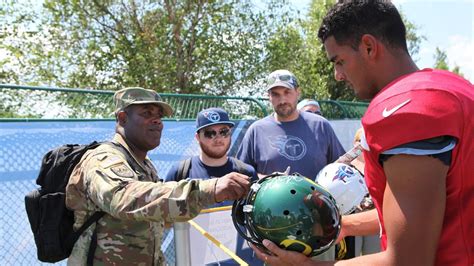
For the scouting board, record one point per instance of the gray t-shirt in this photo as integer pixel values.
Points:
(306, 144)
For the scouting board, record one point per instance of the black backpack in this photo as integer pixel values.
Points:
(185, 165)
(50, 220)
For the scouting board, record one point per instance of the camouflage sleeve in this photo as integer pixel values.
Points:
(112, 185)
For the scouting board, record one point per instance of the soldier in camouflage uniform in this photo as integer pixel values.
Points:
(136, 203)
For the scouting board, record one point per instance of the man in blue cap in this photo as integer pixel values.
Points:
(213, 134)
(213, 131)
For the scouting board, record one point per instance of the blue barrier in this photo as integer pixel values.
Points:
(22, 146)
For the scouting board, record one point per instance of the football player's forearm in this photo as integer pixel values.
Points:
(361, 224)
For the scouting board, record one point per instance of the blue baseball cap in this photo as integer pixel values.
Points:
(212, 116)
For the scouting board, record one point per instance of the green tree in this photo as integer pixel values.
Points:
(297, 48)
(215, 47)
(8, 54)
(441, 62)
(182, 46)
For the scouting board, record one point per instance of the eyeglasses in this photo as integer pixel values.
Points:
(212, 134)
(287, 78)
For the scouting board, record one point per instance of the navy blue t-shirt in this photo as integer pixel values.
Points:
(306, 144)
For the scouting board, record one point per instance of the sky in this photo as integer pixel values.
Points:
(446, 24)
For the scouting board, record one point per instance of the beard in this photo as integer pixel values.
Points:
(285, 110)
(215, 154)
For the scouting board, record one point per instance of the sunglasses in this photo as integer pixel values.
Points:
(212, 134)
(286, 78)
(315, 112)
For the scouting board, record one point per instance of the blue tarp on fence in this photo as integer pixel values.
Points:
(22, 146)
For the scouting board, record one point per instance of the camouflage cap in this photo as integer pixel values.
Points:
(282, 78)
(137, 95)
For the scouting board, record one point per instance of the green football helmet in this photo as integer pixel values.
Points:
(290, 210)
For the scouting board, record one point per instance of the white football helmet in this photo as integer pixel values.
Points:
(345, 184)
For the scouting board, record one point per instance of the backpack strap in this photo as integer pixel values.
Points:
(121, 148)
(97, 215)
(75, 236)
(183, 169)
(92, 248)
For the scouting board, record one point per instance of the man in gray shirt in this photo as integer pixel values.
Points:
(305, 142)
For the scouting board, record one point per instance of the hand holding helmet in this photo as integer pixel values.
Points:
(278, 256)
(290, 210)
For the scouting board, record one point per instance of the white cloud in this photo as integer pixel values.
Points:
(458, 50)
(460, 53)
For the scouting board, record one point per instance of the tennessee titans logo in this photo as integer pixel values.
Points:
(212, 116)
(342, 173)
(290, 147)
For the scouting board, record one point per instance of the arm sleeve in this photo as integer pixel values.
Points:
(438, 147)
(116, 190)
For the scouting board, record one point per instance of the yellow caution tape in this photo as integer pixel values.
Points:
(218, 244)
(216, 209)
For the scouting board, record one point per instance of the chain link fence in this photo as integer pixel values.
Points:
(22, 146)
(28, 102)
(34, 120)
(333, 110)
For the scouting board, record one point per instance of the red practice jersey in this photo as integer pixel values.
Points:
(419, 106)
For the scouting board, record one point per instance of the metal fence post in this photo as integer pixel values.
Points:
(182, 244)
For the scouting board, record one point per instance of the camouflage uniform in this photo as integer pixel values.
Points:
(136, 203)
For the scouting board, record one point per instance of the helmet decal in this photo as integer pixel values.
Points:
(345, 184)
(288, 242)
(343, 173)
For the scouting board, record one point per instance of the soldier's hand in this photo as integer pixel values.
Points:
(231, 186)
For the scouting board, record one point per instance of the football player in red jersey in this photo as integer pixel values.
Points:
(419, 143)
